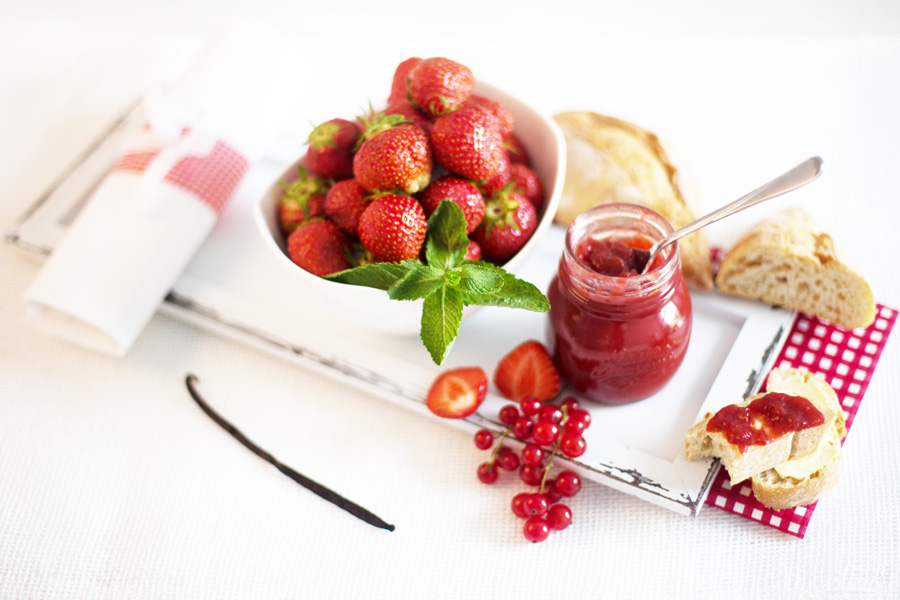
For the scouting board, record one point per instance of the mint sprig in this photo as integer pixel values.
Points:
(447, 282)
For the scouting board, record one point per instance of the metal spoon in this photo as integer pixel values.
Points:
(784, 183)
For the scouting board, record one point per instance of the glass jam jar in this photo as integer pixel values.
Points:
(618, 337)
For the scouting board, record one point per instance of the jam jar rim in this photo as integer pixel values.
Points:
(654, 281)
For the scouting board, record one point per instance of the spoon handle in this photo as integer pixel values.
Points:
(786, 182)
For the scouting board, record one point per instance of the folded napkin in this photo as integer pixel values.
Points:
(147, 218)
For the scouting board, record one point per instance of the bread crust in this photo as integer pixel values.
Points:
(777, 492)
(785, 261)
(610, 160)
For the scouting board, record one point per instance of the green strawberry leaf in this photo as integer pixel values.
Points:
(382, 275)
(513, 293)
(446, 240)
(441, 316)
(418, 283)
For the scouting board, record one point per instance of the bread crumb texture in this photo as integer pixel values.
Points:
(784, 261)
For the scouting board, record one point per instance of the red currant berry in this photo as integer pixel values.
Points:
(532, 455)
(518, 505)
(487, 472)
(530, 405)
(545, 432)
(550, 492)
(570, 403)
(536, 529)
(568, 483)
(507, 459)
(571, 444)
(531, 475)
(484, 439)
(522, 428)
(550, 412)
(559, 516)
(536, 505)
(508, 414)
(580, 416)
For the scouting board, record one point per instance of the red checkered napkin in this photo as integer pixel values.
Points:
(846, 359)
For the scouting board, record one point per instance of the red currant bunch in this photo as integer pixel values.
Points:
(546, 430)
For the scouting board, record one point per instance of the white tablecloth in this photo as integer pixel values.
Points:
(114, 485)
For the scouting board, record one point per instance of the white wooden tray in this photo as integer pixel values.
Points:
(233, 287)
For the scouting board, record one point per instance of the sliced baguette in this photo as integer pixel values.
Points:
(802, 480)
(785, 261)
(700, 443)
(609, 161)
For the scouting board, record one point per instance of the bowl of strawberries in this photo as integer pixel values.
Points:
(443, 192)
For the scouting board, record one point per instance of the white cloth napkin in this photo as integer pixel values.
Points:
(149, 215)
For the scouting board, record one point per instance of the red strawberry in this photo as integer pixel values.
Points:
(409, 112)
(528, 370)
(302, 200)
(528, 183)
(319, 247)
(515, 150)
(331, 147)
(496, 108)
(473, 251)
(393, 155)
(457, 393)
(400, 86)
(345, 203)
(438, 85)
(509, 221)
(459, 191)
(497, 182)
(467, 141)
(393, 228)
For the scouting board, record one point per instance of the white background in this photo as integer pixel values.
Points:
(113, 484)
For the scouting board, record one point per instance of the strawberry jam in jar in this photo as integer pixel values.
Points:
(618, 335)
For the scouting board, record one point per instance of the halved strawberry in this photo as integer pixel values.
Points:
(457, 393)
(528, 370)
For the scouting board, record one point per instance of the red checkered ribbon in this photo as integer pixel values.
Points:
(846, 359)
(136, 162)
(212, 178)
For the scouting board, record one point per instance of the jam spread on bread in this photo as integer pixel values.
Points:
(764, 419)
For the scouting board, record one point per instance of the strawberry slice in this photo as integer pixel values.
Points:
(457, 393)
(528, 370)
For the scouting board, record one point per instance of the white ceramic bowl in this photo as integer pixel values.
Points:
(371, 308)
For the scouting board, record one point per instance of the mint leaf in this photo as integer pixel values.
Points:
(418, 283)
(447, 283)
(478, 278)
(441, 316)
(446, 240)
(513, 293)
(382, 276)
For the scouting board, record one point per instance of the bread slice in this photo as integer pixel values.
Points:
(784, 261)
(803, 479)
(610, 161)
(741, 465)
